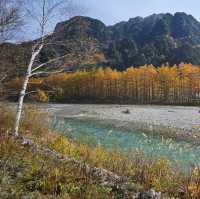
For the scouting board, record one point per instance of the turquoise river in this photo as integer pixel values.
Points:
(92, 133)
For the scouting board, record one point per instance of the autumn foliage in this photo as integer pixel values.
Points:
(143, 85)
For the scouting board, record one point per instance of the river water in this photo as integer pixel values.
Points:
(93, 133)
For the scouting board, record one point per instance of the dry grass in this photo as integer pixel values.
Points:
(52, 178)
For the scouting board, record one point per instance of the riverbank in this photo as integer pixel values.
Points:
(178, 122)
(48, 165)
(51, 178)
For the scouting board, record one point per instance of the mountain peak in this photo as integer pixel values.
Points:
(81, 27)
(156, 39)
(77, 21)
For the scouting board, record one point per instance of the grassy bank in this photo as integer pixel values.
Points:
(24, 173)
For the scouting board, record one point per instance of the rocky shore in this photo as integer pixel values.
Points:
(179, 122)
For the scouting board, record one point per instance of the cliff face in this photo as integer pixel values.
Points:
(156, 39)
(87, 42)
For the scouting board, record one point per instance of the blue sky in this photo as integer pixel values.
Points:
(113, 11)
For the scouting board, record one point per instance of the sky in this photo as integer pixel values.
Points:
(114, 11)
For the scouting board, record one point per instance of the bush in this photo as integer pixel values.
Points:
(41, 96)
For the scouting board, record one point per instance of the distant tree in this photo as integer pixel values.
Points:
(10, 19)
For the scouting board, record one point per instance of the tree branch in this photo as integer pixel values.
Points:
(50, 61)
(46, 72)
(3, 78)
(30, 92)
(10, 19)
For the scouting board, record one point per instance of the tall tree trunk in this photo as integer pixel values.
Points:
(23, 90)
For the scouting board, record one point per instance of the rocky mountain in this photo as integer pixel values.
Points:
(156, 40)
(85, 42)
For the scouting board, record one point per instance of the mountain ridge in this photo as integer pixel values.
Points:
(156, 39)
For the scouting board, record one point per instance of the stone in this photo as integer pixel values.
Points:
(151, 194)
(127, 111)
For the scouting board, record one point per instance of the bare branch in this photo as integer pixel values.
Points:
(47, 72)
(27, 93)
(10, 19)
(49, 62)
(5, 75)
(3, 78)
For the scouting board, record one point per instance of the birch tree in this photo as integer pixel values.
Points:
(42, 11)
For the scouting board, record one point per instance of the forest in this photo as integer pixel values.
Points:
(178, 84)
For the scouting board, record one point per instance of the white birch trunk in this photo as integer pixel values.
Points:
(23, 90)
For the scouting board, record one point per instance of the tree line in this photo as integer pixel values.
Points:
(143, 85)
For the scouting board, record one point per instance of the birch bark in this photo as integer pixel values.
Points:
(23, 90)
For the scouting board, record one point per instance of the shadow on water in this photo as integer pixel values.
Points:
(93, 133)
